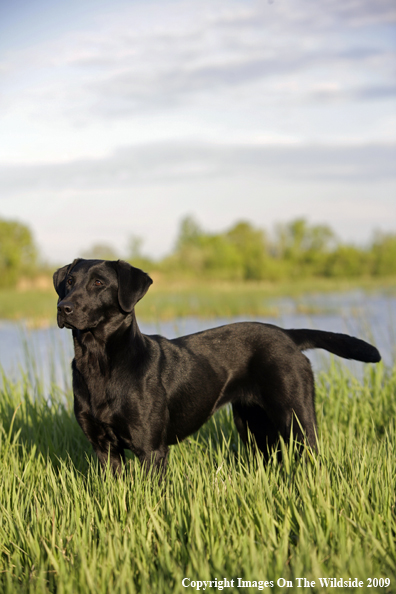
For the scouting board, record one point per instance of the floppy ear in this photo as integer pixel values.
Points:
(133, 284)
(59, 278)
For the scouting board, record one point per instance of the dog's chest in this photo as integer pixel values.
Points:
(103, 388)
(94, 375)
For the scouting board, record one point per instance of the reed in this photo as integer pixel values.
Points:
(66, 528)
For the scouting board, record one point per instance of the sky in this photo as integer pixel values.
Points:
(119, 118)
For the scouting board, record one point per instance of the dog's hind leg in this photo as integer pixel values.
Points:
(267, 430)
(240, 422)
(255, 420)
(304, 425)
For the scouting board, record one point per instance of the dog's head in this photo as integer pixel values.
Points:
(94, 291)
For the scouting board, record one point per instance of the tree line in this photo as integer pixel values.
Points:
(294, 250)
(243, 252)
(18, 252)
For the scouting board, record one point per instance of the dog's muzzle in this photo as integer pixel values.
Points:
(65, 309)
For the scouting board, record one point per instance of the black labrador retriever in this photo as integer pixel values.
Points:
(145, 393)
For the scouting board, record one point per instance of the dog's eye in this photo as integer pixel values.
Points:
(69, 281)
(98, 283)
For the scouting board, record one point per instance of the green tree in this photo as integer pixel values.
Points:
(198, 252)
(251, 246)
(220, 258)
(299, 250)
(347, 261)
(100, 251)
(135, 255)
(384, 254)
(305, 247)
(298, 238)
(190, 233)
(187, 255)
(18, 252)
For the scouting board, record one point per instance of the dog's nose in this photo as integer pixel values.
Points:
(65, 308)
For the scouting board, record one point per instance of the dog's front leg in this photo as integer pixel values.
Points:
(155, 462)
(108, 452)
(102, 439)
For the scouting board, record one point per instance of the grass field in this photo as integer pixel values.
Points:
(169, 300)
(220, 515)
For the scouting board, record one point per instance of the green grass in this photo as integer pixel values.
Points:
(170, 300)
(221, 514)
(37, 307)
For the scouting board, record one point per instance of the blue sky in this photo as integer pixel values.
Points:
(120, 118)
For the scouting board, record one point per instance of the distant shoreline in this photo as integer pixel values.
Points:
(167, 300)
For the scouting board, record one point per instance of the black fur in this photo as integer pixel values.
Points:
(145, 393)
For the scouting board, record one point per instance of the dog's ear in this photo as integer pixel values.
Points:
(59, 278)
(133, 284)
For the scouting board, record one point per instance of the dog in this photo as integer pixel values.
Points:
(145, 393)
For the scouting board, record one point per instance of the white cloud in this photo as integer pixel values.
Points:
(223, 108)
(180, 55)
(164, 163)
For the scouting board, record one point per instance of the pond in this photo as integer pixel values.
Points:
(47, 353)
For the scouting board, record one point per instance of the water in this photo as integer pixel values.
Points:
(46, 353)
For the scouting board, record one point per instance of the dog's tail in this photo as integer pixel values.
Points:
(339, 344)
